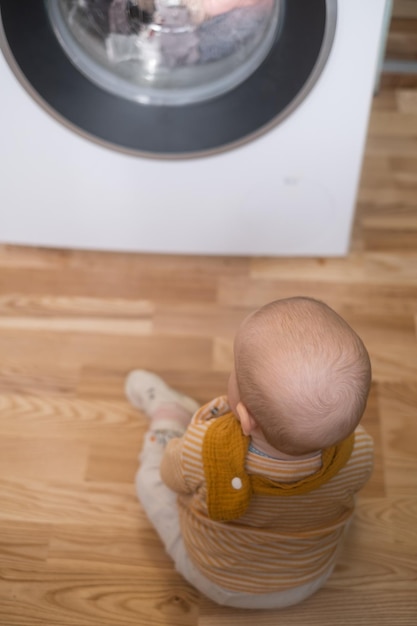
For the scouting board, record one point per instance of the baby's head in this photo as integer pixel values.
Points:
(301, 373)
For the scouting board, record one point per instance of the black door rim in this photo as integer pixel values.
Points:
(266, 98)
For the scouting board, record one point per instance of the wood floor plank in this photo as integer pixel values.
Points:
(372, 268)
(46, 502)
(407, 101)
(23, 457)
(22, 348)
(326, 607)
(76, 547)
(198, 320)
(47, 307)
(47, 380)
(70, 598)
(371, 422)
(75, 573)
(389, 300)
(91, 421)
(399, 427)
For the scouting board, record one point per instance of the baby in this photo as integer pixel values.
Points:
(252, 496)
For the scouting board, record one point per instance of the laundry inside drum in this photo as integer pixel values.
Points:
(166, 52)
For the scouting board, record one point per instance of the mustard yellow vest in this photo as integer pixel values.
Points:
(230, 488)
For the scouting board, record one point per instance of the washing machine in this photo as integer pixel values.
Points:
(232, 127)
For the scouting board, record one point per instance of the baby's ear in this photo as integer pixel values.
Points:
(247, 422)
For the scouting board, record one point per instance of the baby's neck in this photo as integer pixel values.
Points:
(260, 443)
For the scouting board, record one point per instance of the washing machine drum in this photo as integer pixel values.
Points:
(169, 78)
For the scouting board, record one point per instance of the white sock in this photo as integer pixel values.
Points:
(162, 404)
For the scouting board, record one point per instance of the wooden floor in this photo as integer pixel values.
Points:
(75, 547)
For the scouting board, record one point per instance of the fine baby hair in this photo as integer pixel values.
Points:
(302, 373)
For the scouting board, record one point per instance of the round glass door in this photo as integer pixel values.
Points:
(166, 52)
(169, 78)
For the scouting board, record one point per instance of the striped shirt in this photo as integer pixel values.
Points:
(279, 543)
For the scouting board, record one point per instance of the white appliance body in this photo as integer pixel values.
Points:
(291, 191)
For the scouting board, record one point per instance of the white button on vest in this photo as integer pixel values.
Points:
(236, 483)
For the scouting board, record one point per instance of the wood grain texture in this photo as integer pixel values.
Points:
(75, 545)
(341, 608)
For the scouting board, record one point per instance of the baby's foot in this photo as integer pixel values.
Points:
(162, 404)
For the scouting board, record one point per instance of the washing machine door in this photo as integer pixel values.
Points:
(169, 78)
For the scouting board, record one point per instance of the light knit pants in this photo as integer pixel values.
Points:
(160, 505)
